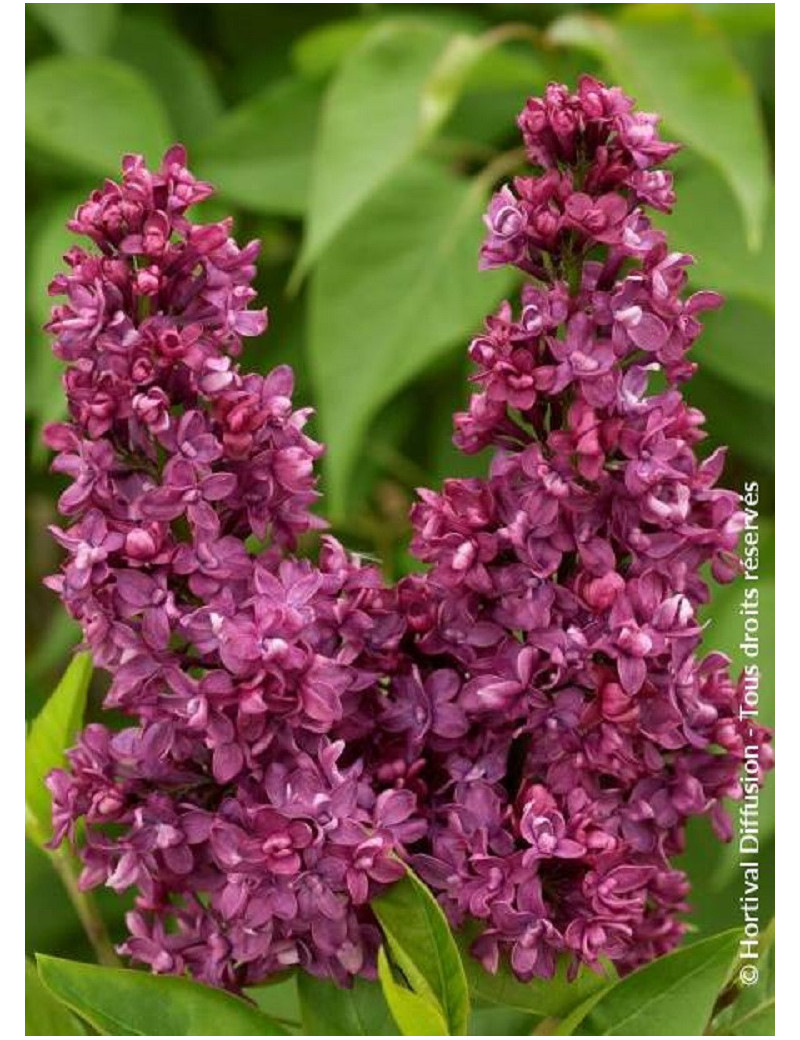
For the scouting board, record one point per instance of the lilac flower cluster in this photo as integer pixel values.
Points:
(566, 727)
(236, 804)
(528, 723)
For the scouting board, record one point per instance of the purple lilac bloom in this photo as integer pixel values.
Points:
(562, 596)
(528, 723)
(236, 802)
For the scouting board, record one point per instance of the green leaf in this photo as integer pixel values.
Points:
(422, 946)
(82, 29)
(174, 69)
(119, 1002)
(260, 154)
(44, 1015)
(51, 733)
(676, 62)
(398, 287)
(88, 112)
(317, 53)
(329, 1010)
(570, 1022)
(738, 344)
(389, 97)
(414, 1014)
(671, 996)
(701, 224)
(552, 998)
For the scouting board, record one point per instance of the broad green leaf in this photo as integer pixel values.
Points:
(317, 53)
(552, 998)
(44, 1015)
(671, 996)
(422, 946)
(675, 61)
(507, 67)
(89, 112)
(51, 733)
(259, 155)
(119, 1002)
(397, 288)
(415, 1015)
(330, 1010)
(82, 29)
(701, 224)
(738, 344)
(172, 67)
(389, 97)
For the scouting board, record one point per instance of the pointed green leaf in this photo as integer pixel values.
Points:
(398, 287)
(422, 946)
(330, 1010)
(317, 53)
(676, 62)
(174, 69)
(119, 1002)
(51, 733)
(415, 1015)
(259, 154)
(671, 996)
(88, 112)
(390, 95)
(44, 1015)
(82, 29)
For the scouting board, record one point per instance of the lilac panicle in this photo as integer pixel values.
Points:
(241, 811)
(529, 723)
(557, 625)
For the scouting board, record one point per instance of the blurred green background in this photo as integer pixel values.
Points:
(359, 142)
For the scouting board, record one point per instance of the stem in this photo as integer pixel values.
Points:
(85, 908)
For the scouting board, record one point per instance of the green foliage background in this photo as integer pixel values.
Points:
(359, 142)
